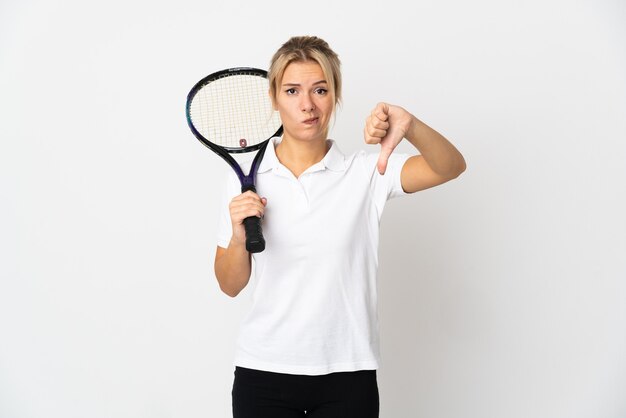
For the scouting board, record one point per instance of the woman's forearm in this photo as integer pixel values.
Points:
(439, 153)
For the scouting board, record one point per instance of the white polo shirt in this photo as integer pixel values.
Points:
(314, 307)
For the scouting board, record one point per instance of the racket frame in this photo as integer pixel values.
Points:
(251, 224)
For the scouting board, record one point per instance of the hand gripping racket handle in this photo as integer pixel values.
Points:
(255, 243)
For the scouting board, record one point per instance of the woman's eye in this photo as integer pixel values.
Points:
(290, 91)
(321, 91)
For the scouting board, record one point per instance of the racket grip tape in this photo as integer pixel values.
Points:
(255, 243)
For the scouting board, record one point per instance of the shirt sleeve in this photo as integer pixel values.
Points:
(224, 227)
(389, 185)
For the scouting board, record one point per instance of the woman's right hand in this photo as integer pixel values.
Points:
(242, 206)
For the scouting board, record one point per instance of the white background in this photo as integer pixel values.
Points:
(502, 293)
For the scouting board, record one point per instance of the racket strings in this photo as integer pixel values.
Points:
(235, 111)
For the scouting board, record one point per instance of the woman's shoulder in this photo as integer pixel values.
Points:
(355, 158)
(363, 160)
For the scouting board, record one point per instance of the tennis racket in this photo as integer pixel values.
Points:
(230, 112)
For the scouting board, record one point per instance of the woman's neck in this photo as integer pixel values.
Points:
(298, 156)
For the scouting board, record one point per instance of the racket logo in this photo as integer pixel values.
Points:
(243, 143)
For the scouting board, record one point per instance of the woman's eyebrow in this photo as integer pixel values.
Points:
(298, 84)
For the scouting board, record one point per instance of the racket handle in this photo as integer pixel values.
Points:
(255, 243)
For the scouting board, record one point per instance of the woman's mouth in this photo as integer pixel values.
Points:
(311, 121)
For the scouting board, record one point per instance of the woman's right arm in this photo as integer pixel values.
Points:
(233, 264)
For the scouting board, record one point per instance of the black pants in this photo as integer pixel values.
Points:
(260, 394)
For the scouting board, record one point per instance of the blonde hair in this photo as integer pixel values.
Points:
(302, 49)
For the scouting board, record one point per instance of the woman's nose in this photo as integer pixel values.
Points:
(307, 104)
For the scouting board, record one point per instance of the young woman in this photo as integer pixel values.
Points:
(310, 343)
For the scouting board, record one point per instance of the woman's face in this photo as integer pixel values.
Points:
(304, 102)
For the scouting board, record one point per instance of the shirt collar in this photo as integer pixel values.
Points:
(334, 159)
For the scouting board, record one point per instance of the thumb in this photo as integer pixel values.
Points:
(383, 157)
(264, 201)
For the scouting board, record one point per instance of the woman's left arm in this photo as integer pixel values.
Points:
(439, 161)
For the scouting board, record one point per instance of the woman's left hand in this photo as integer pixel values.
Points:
(386, 125)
